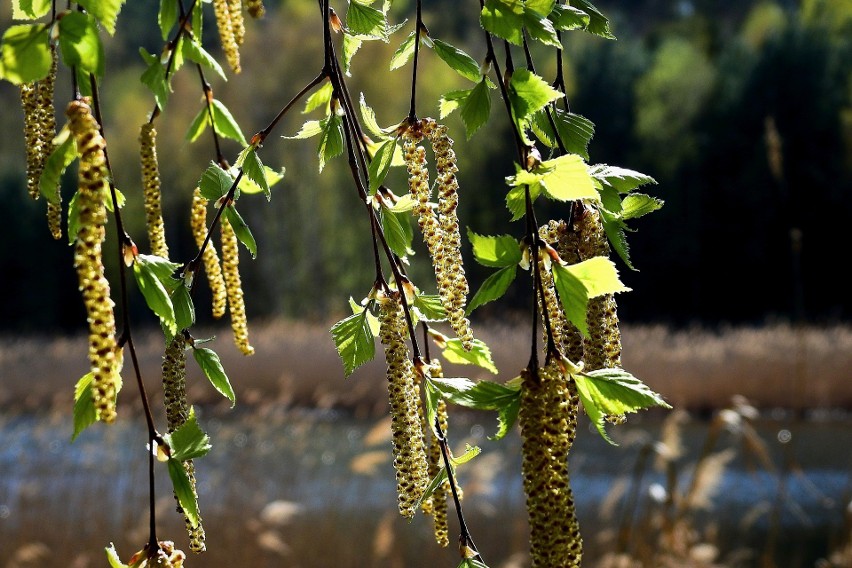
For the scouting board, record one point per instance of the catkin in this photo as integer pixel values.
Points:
(104, 359)
(39, 124)
(234, 287)
(235, 8)
(567, 337)
(177, 413)
(408, 446)
(440, 230)
(151, 190)
(255, 8)
(548, 421)
(198, 224)
(603, 346)
(225, 24)
(437, 503)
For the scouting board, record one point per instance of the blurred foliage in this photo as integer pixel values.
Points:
(689, 93)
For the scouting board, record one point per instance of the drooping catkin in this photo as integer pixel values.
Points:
(39, 124)
(548, 421)
(234, 287)
(104, 359)
(566, 335)
(255, 8)
(177, 413)
(198, 224)
(225, 25)
(603, 346)
(235, 8)
(438, 501)
(151, 190)
(408, 446)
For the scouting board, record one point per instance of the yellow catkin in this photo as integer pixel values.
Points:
(177, 413)
(235, 8)
(104, 359)
(255, 8)
(438, 501)
(225, 24)
(198, 224)
(448, 201)
(151, 190)
(39, 124)
(408, 446)
(603, 346)
(548, 421)
(234, 287)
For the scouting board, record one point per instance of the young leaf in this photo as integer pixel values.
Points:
(241, 230)
(613, 392)
(372, 320)
(215, 182)
(106, 11)
(529, 93)
(184, 308)
(472, 563)
(598, 23)
(113, 559)
(479, 354)
(85, 413)
(470, 452)
(210, 363)
(30, 9)
(249, 187)
(80, 43)
(398, 232)
(380, 164)
(331, 139)
(516, 199)
(189, 441)
(354, 341)
(476, 107)
(403, 53)
(504, 18)
(225, 124)
(368, 117)
(198, 124)
(148, 271)
(620, 179)
(458, 60)
(192, 50)
(184, 491)
(567, 178)
(351, 45)
(579, 282)
(429, 308)
(59, 159)
(566, 18)
(451, 100)
(615, 228)
(492, 288)
(434, 483)
(319, 98)
(537, 23)
(574, 131)
(366, 21)
(73, 219)
(638, 204)
(25, 53)
(254, 170)
(497, 252)
(483, 395)
(167, 17)
(310, 129)
(154, 77)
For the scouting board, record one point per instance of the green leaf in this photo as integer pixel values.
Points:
(476, 107)
(458, 60)
(184, 491)
(184, 308)
(254, 170)
(154, 77)
(537, 23)
(372, 320)
(85, 413)
(403, 53)
(497, 252)
(451, 100)
(192, 50)
(492, 288)
(615, 229)
(483, 395)
(380, 164)
(366, 21)
(80, 43)
(433, 485)
(249, 187)
(319, 98)
(613, 392)
(429, 308)
(620, 179)
(568, 18)
(215, 182)
(25, 53)
(113, 559)
(577, 283)
(147, 270)
(331, 139)
(351, 45)
(529, 93)
(574, 131)
(479, 354)
(198, 124)
(241, 230)
(59, 159)
(470, 452)
(310, 129)
(225, 124)
(504, 18)
(30, 9)
(516, 199)
(188, 441)
(210, 363)
(398, 232)
(368, 118)
(598, 23)
(354, 341)
(638, 204)
(471, 563)
(567, 178)
(167, 17)
(106, 11)
(73, 219)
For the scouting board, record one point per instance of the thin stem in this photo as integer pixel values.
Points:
(208, 101)
(171, 46)
(412, 114)
(547, 109)
(260, 137)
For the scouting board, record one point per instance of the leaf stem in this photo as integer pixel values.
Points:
(412, 113)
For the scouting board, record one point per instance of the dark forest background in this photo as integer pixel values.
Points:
(702, 95)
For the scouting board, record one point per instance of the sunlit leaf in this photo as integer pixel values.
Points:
(331, 139)
(380, 164)
(577, 283)
(495, 251)
(403, 53)
(319, 98)
(184, 491)
(106, 11)
(429, 308)
(492, 288)
(188, 441)
(167, 17)
(59, 159)
(85, 413)
(254, 170)
(212, 367)
(598, 23)
(638, 204)
(192, 50)
(215, 182)
(113, 559)
(80, 43)
(567, 178)
(366, 21)
(151, 273)
(483, 395)
(475, 108)
(354, 341)
(504, 18)
(241, 230)
(154, 77)
(458, 60)
(529, 93)
(184, 308)
(225, 123)
(25, 53)
(30, 9)
(479, 354)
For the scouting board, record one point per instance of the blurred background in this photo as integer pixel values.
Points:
(738, 314)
